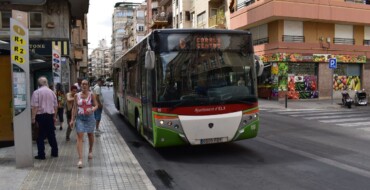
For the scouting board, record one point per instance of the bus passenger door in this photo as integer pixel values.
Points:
(124, 93)
(146, 98)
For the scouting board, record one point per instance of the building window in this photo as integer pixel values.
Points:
(260, 34)
(5, 22)
(192, 16)
(140, 14)
(187, 15)
(35, 20)
(367, 36)
(201, 20)
(293, 31)
(344, 34)
(181, 17)
(140, 28)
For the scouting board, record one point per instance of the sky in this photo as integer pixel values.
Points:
(99, 21)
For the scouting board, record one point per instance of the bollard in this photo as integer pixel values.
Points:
(286, 100)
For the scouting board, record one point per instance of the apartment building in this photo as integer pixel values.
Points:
(123, 13)
(135, 28)
(100, 60)
(200, 14)
(298, 38)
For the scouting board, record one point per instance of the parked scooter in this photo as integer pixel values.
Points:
(346, 99)
(361, 98)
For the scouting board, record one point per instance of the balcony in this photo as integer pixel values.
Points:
(216, 21)
(289, 38)
(337, 11)
(345, 41)
(160, 21)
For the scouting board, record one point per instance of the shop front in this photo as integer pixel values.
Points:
(297, 75)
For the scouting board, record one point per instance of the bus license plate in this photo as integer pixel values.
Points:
(212, 140)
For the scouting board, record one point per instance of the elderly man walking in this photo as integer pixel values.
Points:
(44, 112)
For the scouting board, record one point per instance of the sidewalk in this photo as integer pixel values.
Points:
(112, 167)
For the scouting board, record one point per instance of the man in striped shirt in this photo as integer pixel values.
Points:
(44, 112)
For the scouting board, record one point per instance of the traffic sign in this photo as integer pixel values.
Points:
(332, 63)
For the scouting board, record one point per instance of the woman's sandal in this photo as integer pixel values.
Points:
(79, 164)
(90, 156)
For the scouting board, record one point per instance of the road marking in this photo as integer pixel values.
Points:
(328, 161)
(335, 116)
(344, 120)
(354, 124)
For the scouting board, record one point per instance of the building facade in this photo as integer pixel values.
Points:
(100, 60)
(51, 23)
(200, 14)
(123, 13)
(135, 29)
(297, 39)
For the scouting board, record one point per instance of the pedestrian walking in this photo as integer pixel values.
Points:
(85, 104)
(78, 84)
(44, 111)
(99, 98)
(70, 100)
(61, 97)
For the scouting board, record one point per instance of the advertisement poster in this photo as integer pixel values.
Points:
(302, 86)
(341, 83)
(283, 77)
(275, 80)
(56, 64)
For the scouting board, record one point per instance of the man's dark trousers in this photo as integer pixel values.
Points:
(46, 129)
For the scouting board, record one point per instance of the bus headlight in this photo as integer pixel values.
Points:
(248, 118)
(169, 122)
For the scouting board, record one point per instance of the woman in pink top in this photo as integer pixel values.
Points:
(83, 111)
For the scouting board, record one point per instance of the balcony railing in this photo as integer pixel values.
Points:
(261, 41)
(244, 4)
(356, 1)
(348, 41)
(289, 38)
(366, 42)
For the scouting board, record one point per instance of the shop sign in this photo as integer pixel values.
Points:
(323, 58)
(350, 58)
(287, 57)
(45, 47)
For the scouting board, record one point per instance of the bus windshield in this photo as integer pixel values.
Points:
(205, 77)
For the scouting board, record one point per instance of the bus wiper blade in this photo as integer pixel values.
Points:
(179, 104)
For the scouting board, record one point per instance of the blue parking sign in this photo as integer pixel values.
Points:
(332, 63)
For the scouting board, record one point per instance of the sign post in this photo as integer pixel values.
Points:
(332, 66)
(21, 89)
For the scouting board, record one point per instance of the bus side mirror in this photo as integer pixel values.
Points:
(259, 66)
(149, 59)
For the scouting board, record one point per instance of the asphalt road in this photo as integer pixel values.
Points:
(289, 153)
